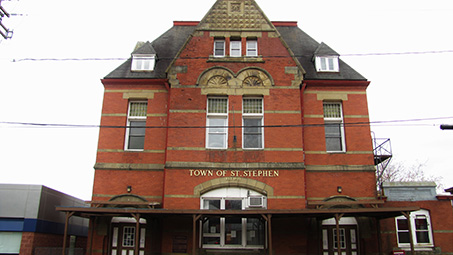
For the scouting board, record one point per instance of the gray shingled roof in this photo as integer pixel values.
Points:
(167, 46)
(304, 47)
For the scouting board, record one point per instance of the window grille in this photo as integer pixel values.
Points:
(217, 105)
(332, 110)
(253, 106)
(129, 237)
(138, 109)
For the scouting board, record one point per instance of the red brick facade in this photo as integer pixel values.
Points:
(293, 169)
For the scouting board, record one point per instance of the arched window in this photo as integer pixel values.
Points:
(232, 232)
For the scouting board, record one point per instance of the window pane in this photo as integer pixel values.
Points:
(217, 134)
(137, 135)
(421, 224)
(422, 236)
(333, 130)
(402, 224)
(233, 204)
(333, 137)
(138, 109)
(323, 64)
(255, 232)
(216, 141)
(332, 110)
(233, 230)
(137, 128)
(217, 125)
(235, 48)
(219, 48)
(342, 238)
(403, 237)
(252, 133)
(253, 106)
(211, 204)
(252, 48)
(128, 236)
(217, 105)
(331, 66)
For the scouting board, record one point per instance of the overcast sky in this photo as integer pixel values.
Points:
(405, 48)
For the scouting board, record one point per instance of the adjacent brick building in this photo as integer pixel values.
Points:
(235, 134)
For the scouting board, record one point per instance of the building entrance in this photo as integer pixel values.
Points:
(124, 238)
(348, 233)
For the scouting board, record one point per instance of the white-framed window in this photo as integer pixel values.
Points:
(143, 62)
(252, 48)
(219, 48)
(327, 64)
(217, 123)
(231, 232)
(421, 230)
(333, 127)
(235, 48)
(252, 122)
(136, 125)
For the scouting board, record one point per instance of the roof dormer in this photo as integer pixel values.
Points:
(326, 59)
(143, 58)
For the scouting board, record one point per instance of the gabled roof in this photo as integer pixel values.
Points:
(233, 15)
(324, 50)
(229, 15)
(304, 48)
(165, 47)
(144, 48)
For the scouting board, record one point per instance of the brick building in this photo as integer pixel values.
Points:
(235, 134)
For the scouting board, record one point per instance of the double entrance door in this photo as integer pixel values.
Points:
(124, 239)
(348, 240)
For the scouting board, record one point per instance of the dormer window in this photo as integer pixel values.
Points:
(327, 64)
(143, 62)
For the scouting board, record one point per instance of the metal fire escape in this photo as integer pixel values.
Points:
(4, 31)
(382, 150)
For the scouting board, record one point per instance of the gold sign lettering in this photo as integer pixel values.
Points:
(233, 173)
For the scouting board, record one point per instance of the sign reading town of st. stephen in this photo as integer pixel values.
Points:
(234, 173)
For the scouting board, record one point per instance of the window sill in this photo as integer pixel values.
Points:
(416, 247)
(336, 152)
(243, 59)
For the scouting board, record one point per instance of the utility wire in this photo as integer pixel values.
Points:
(275, 56)
(346, 124)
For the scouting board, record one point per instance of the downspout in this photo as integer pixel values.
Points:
(302, 113)
(167, 86)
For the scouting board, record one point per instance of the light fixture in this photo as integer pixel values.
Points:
(339, 189)
(129, 189)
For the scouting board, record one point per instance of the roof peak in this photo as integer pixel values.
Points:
(240, 15)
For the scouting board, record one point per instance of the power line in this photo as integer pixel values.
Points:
(346, 124)
(275, 56)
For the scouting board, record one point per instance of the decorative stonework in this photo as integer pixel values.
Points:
(252, 81)
(235, 15)
(248, 81)
(217, 81)
(247, 183)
